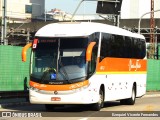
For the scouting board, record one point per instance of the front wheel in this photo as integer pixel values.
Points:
(97, 106)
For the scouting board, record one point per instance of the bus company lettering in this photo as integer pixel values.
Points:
(77, 85)
(102, 68)
(133, 65)
(39, 85)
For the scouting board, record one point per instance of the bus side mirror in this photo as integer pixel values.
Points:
(24, 51)
(89, 51)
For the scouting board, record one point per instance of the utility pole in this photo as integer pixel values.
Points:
(28, 36)
(116, 20)
(152, 24)
(45, 15)
(4, 40)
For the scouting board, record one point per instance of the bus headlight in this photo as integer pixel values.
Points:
(34, 89)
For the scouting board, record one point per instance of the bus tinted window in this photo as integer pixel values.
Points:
(122, 46)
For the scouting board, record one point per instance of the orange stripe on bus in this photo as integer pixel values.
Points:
(58, 87)
(123, 72)
(122, 65)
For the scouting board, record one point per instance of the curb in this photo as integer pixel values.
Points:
(152, 95)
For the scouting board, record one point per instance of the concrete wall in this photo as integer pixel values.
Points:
(16, 9)
(134, 9)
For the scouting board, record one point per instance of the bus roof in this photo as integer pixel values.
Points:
(77, 29)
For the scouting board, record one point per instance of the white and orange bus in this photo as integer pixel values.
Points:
(86, 63)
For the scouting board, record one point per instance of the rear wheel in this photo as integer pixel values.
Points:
(97, 106)
(130, 101)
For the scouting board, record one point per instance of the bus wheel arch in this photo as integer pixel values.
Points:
(131, 100)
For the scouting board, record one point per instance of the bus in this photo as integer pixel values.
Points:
(75, 63)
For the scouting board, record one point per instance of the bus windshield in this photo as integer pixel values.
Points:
(59, 59)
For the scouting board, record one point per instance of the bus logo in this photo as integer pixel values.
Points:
(55, 92)
(133, 65)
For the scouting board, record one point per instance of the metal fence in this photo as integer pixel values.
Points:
(14, 74)
(153, 75)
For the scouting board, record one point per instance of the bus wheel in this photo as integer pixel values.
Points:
(49, 107)
(97, 106)
(131, 101)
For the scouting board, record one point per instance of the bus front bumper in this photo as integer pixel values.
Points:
(72, 97)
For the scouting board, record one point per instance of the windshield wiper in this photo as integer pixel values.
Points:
(79, 78)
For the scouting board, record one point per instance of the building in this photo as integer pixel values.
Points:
(22, 10)
(134, 9)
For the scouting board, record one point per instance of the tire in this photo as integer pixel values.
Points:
(100, 104)
(130, 101)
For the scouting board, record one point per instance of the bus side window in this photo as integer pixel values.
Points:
(128, 47)
(102, 48)
(105, 47)
(143, 49)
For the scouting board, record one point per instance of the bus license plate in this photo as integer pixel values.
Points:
(55, 99)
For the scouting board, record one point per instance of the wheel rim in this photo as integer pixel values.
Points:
(133, 95)
(100, 102)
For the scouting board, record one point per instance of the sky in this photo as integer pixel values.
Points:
(69, 6)
(138, 8)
